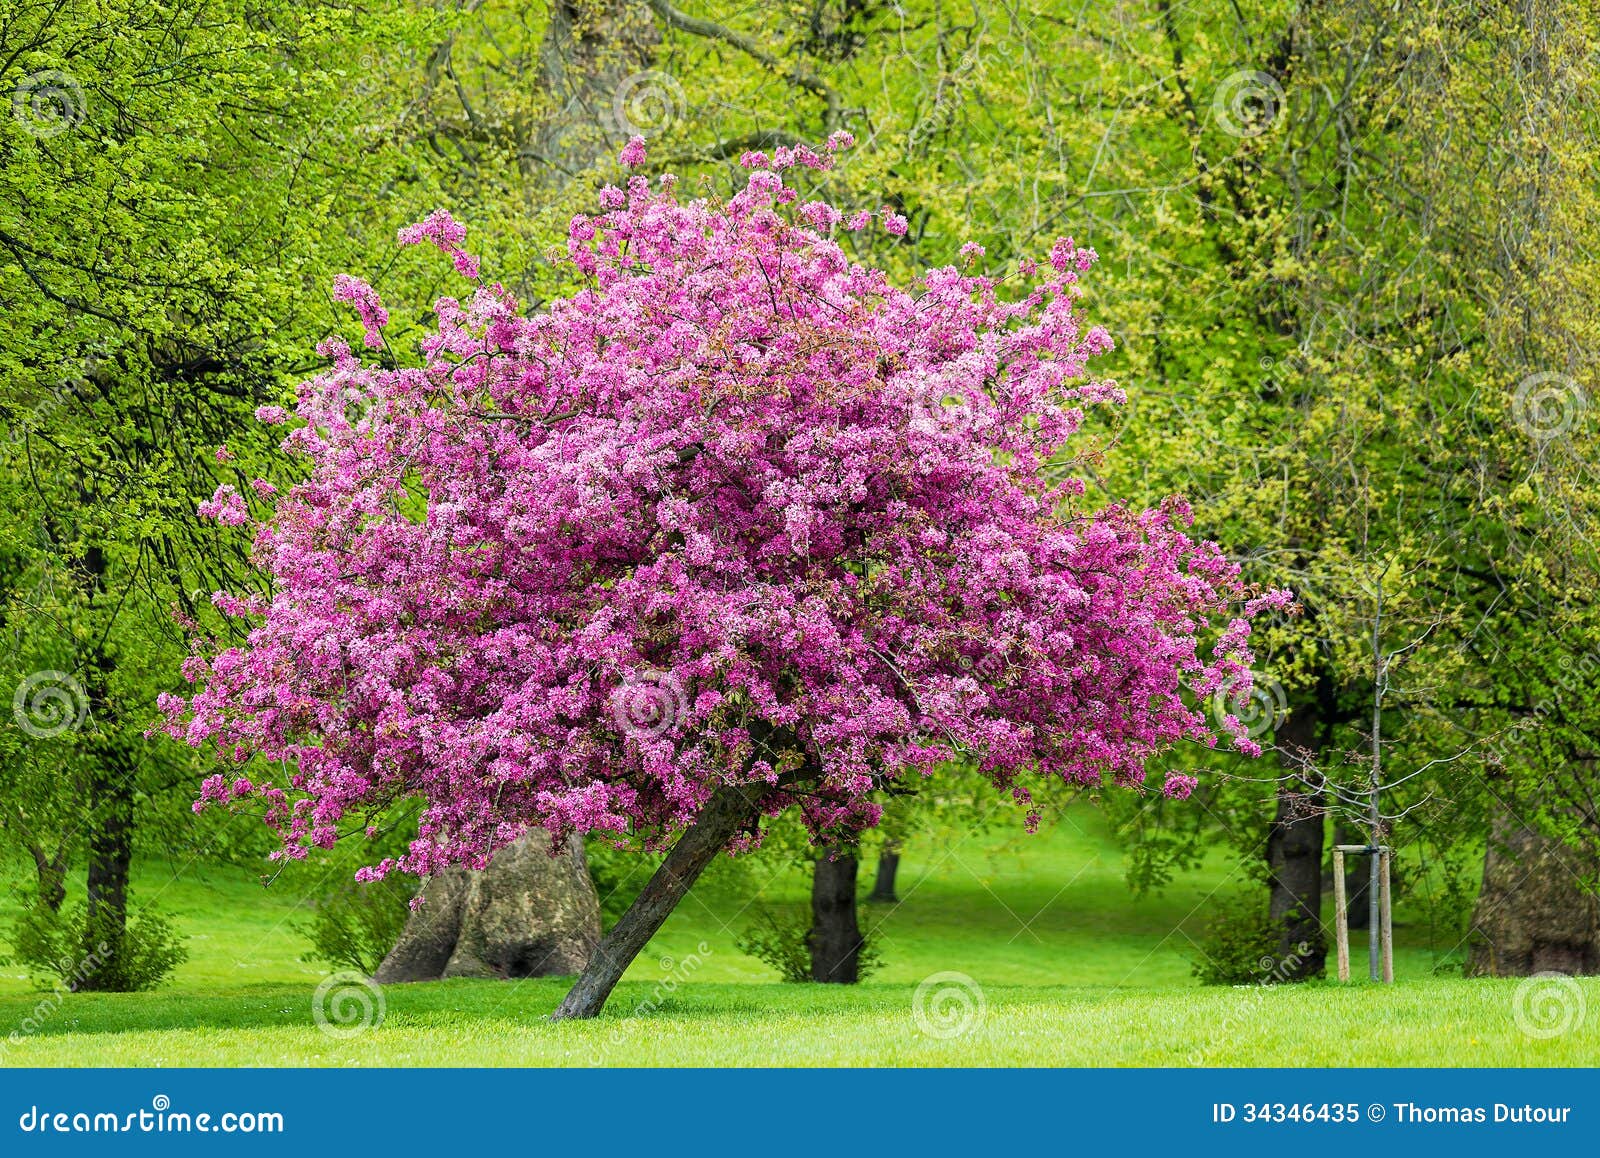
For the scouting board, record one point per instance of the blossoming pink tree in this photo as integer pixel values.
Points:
(738, 527)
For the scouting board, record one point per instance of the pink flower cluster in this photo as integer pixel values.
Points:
(739, 511)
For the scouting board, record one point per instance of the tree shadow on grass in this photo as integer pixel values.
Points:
(500, 1005)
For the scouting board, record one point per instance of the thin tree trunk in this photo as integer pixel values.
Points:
(883, 883)
(835, 938)
(725, 814)
(1357, 876)
(52, 875)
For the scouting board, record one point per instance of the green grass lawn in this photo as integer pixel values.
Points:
(1057, 965)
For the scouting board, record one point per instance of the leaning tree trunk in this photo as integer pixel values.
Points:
(1294, 856)
(1533, 913)
(835, 937)
(529, 914)
(883, 883)
(729, 810)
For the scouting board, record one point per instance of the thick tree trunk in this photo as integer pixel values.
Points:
(1294, 856)
(110, 800)
(883, 883)
(110, 856)
(527, 915)
(835, 938)
(594, 66)
(729, 810)
(1533, 914)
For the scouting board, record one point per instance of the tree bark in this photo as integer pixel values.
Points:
(1357, 878)
(1294, 855)
(528, 914)
(110, 801)
(52, 875)
(591, 49)
(1533, 914)
(883, 883)
(835, 937)
(110, 856)
(728, 810)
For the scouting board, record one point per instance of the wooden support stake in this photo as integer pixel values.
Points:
(1341, 923)
(1386, 918)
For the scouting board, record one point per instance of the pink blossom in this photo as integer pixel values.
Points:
(447, 234)
(373, 316)
(694, 525)
(633, 153)
(226, 506)
(1179, 786)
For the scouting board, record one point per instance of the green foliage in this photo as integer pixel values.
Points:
(56, 944)
(779, 942)
(357, 925)
(1240, 943)
(619, 873)
(784, 944)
